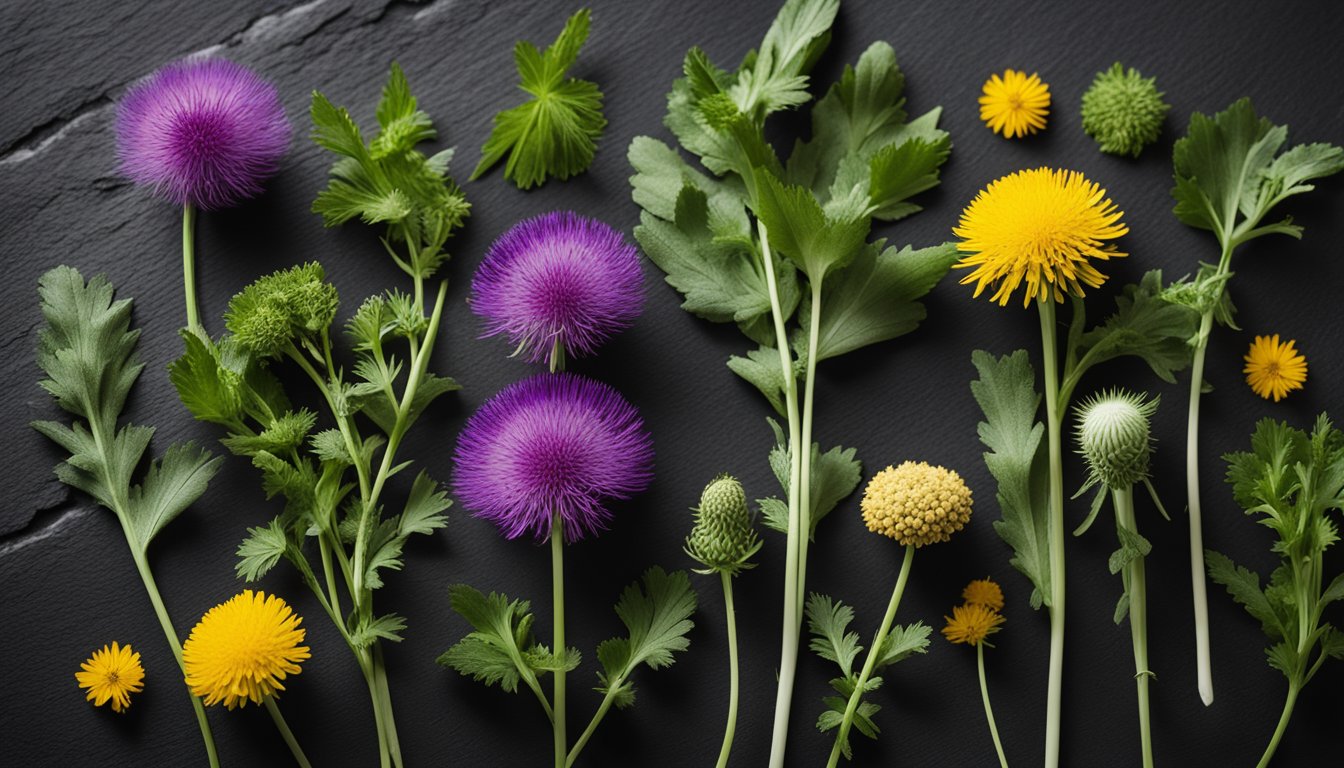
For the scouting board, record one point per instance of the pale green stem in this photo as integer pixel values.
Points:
(1265, 759)
(989, 712)
(602, 709)
(731, 727)
(1138, 621)
(805, 494)
(330, 573)
(385, 701)
(189, 266)
(379, 715)
(558, 636)
(788, 655)
(879, 640)
(1198, 581)
(285, 733)
(1053, 414)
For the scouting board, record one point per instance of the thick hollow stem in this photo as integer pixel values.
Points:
(558, 622)
(1053, 408)
(1198, 582)
(1138, 621)
(788, 653)
(879, 640)
(731, 727)
(1281, 727)
(989, 711)
(285, 733)
(189, 266)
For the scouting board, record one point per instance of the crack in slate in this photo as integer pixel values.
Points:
(54, 522)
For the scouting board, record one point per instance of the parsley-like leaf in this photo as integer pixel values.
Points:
(499, 649)
(1006, 392)
(554, 133)
(657, 618)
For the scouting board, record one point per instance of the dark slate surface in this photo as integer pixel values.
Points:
(69, 584)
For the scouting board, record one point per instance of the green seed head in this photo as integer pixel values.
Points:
(1123, 111)
(723, 537)
(1113, 435)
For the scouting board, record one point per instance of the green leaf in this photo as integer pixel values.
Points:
(170, 486)
(424, 507)
(1144, 326)
(1006, 392)
(903, 642)
(402, 124)
(261, 550)
(657, 619)
(835, 475)
(761, 367)
(876, 297)
(901, 171)
(369, 630)
(1244, 587)
(1132, 547)
(828, 623)
(492, 653)
(284, 434)
(776, 78)
(801, 230)
(205, 386)
(555, 133)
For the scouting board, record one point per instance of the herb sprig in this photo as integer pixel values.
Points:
(288, 316)
(805, 257)
(87, 350)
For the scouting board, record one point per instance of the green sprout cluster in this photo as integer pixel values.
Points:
(1123, 111)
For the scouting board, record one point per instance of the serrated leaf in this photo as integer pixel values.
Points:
(828, 622)
(1144, 326)
(205, 386)
(1006, 392)
(554, 133)
(657, 618)
(170, 485)
(261, 550)
(424, 508)
(492, 653)
(1132, 547)
(902, 642)
(798, 228)
(761, 367)
(369, 631)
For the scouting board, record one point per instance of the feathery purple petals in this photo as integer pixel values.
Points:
(559, 276)
(554, 443)
(204, 132)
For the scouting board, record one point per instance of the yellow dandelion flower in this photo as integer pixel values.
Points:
(1014, 104)
(971, 624)
(1042, 227)
(112, 674)
(983, 592)
(1274, 369)
(916, 503)
(242, 649)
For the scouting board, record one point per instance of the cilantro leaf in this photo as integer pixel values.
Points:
(1006, 392)
(370, 630)
(1144, 326)
(828, 622)
(775, 77)
(800, 229)
(499, 649)
(657, 619)
(87, 350)
(1244, 587)
(555, 133)
(835, 475)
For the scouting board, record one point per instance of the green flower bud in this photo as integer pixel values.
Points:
(1123, 111)
(279, 307)
(1113, 436)
(723, 537)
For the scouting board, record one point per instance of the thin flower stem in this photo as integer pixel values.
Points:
(1054, 423)
(189, 266)
(989, 711)
(788, 654)
(1138, 621)
(805, 494)
(731, 727)
(1198, 580)
(379, 715)
(285, 733)
(1265, 759)
(333, 594)
(385, 701)
(161, 612)
(558, 638)
(879, 640)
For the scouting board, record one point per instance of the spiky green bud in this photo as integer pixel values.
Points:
(1114, 437)
(724, 536)
(280, 307)
(1123, 111)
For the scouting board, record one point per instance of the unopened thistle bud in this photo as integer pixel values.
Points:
(1113, 436)
(1123, 111)
(723, 538)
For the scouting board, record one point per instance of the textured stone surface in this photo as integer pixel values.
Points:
(69, 584)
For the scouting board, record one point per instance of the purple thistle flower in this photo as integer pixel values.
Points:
(558, 279)
(554, 443)
(205, 133)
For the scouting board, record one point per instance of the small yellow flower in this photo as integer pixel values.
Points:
(971, 623)
(1042, 227)
(112, 674)
(242, 649)
(983, 592)
(1014, 104)
(916, 503)
(1274, 369)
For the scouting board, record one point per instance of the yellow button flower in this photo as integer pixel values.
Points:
(916, 503)
(112, 675)
(1015, 104)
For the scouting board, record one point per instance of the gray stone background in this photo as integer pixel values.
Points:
(69, 584)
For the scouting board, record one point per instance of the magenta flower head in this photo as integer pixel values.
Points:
(559, 281)
(553, 444)
(203, 132)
